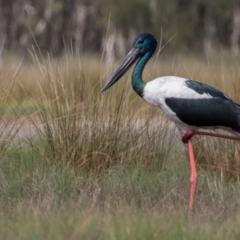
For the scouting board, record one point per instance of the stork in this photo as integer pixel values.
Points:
(191, 105)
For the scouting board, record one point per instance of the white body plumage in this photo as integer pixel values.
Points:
(158, 90)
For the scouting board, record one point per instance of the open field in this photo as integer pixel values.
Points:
(78, 164)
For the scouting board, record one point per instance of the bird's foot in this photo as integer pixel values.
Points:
(186, 136)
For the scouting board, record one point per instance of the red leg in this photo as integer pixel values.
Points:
(193, 178)
(186, 138)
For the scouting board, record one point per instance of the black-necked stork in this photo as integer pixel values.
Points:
(189, 104)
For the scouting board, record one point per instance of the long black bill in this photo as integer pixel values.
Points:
(128, 61)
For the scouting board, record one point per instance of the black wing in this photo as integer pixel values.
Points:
(202, 88)
(206, 112)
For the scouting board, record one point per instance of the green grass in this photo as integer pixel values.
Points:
(127, 203)
(78, 164)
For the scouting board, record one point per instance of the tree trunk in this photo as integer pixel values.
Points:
(7, 19)
(235, 28)
(210, 31)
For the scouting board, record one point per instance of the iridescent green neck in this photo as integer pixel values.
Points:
(137, 82)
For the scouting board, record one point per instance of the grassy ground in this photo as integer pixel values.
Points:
(126, 203)
(78, 164)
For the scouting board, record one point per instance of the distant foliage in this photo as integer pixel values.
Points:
(82, 25)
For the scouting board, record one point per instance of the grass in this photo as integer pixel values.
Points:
(77, 164)
(128, 203)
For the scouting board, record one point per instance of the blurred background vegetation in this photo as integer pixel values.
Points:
(92, 26)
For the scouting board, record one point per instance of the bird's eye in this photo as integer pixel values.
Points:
(140, 41)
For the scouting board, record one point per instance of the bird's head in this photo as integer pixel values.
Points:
(145, 43)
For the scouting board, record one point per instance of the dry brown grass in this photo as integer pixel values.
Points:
(79, 126)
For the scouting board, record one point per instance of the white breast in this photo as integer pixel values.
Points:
(157, 90)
